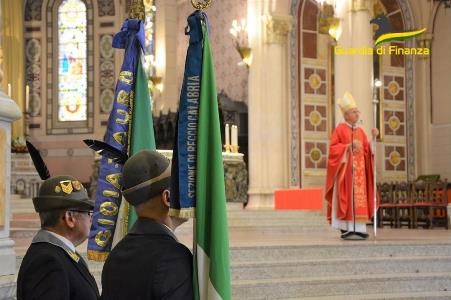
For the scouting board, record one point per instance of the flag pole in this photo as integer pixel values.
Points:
(373, 150)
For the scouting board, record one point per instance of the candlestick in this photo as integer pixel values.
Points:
(9, 90)
(227, 134)
(27, 98)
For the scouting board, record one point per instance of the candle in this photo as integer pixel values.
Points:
(27, 98)
(234, 135)
(227, 134)
(9, 90)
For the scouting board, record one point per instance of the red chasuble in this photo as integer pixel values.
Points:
(339, 173)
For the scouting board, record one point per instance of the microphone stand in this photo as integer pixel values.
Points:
(352, 235)
(373, 148)
(352, 179)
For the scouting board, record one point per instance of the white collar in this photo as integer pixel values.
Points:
(168, 227)
(63, 239)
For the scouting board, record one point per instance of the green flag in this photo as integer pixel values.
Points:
(141, 133)
(211, 259)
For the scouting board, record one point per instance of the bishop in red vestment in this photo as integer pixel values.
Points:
(350, 170)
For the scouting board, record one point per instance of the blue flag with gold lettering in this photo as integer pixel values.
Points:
(108, 194)
(183, 179)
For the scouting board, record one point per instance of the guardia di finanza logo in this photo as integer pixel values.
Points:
(384, 34)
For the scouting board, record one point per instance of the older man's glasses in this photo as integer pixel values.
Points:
(88, 212)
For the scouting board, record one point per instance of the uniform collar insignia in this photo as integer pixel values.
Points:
(43, 236)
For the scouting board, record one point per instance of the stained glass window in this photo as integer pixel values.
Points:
(72, 47)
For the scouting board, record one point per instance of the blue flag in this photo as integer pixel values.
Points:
(183, 182)
(108, 193)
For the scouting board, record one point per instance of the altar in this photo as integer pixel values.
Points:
(235, 175)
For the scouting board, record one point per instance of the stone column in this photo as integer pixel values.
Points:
(353, 73)
(166, 55)
(423, 107)
(8, 113)
(268, 104)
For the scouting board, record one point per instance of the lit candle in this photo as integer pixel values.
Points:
(9, 90)
(27, 98)
(227, 134)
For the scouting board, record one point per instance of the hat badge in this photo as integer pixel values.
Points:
(66, 186)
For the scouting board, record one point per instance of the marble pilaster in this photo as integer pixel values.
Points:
(268, 103)
(354, 71)
(8, 113)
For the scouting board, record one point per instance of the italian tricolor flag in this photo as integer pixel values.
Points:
(211, 243)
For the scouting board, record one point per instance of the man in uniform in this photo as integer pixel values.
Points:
(149, 263)
(349, 185)
(51, 268)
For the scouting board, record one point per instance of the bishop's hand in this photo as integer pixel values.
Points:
(374, 132)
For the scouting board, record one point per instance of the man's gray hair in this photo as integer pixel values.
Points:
(50, 218)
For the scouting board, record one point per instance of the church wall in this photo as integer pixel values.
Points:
(230, 77)
(433, 115)
(440, 158)
(62, 148)
(314, 94)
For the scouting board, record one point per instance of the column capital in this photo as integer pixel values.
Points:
(276, 28)
(358, 5)
(425, 41)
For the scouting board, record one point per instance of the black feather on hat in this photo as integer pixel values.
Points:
(58, 192)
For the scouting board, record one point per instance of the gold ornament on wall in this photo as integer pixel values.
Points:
(393, 88)
(315, 118)
(394, 123)
(328, 22)
(277, 28)
(314, 81)
(315, 155)
(395, 158)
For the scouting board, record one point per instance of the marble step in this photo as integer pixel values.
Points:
(265, 213)
(327, 268)
(341, 285)
(341, 250)
(31, 220)
(385, 296)
(335, 267)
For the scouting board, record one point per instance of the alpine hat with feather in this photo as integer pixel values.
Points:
(57, 192)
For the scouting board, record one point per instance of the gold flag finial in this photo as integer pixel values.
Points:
(201, 5)
(136, 10)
